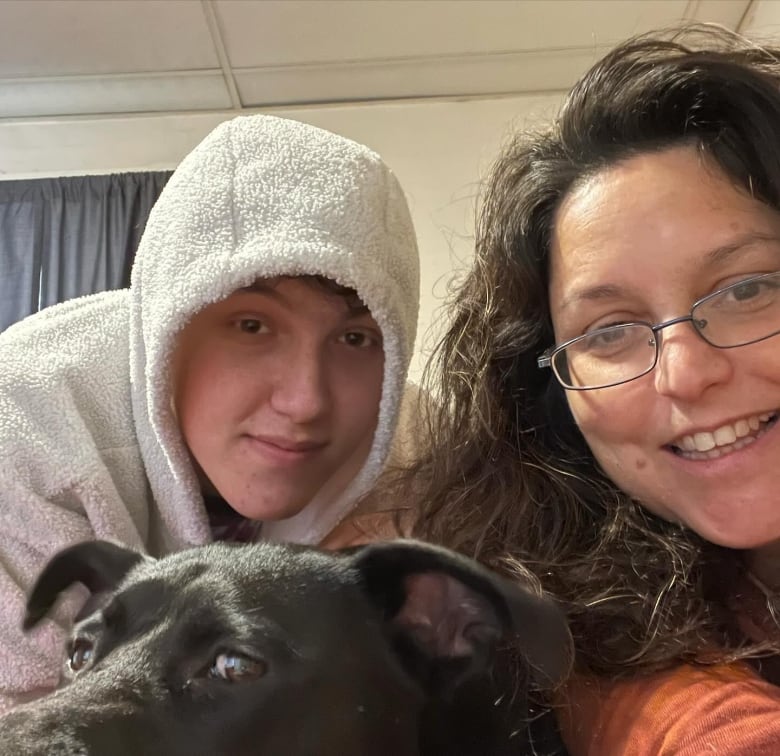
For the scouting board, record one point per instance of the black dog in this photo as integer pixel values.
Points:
(385, 650)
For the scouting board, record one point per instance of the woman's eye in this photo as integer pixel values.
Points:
(250, 325)
(81, 652)
(745, 291)
(607, 337)
(237, 668)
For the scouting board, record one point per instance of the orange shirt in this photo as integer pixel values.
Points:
(687, 711)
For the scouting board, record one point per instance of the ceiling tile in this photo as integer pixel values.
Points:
(133, 93)
(762, 19)
(453, 76)
(61, 37)
(274, 32)
(729, 13)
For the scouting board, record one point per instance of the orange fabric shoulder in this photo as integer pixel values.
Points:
(687, 711)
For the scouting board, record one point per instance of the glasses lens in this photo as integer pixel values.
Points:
(606, 357)
(742, 313)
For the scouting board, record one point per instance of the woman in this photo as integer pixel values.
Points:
(612, 375)
(246, 386)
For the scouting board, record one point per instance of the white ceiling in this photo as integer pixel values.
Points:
(76, 57)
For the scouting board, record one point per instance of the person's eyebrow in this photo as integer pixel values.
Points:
(259, 287)
(714, 257)
(593, 294)
(722, 253)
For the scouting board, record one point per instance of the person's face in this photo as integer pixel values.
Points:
(642, 241)
(277, 393)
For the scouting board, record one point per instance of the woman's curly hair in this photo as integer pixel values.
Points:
(509, 478)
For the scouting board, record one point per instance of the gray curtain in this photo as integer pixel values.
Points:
(64, 237)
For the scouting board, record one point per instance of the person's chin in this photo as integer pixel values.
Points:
(728, 536)
(270, 510)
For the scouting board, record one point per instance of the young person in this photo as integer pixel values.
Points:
(246, 386)
(610, 391)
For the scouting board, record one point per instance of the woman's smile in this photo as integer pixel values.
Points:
(727, 438)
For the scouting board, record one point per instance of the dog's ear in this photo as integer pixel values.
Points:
(98, 565)
(452, 610)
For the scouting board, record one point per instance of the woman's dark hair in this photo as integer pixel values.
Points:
(508, 477)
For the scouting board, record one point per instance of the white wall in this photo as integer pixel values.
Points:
(440, 151)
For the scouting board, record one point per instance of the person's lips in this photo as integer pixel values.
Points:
(286, 447)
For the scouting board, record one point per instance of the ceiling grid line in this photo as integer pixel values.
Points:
(745, 16)
(691, 10)
(212, 20)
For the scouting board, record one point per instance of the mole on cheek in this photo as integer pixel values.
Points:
(641, 463)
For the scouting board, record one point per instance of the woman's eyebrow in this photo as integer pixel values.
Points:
(722, 253)
(714, 257)
(592, 294)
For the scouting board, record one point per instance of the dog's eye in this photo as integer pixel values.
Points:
(80, 655)
(237, 668)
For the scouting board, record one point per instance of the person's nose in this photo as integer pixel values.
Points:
(687, 364)
(301, 391)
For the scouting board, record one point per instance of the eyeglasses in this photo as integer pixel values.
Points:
(739, 314)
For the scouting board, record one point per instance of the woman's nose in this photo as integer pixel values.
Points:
(687, 364)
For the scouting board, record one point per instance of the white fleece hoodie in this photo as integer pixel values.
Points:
(89, 446)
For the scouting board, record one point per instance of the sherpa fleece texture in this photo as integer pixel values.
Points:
(89, 446)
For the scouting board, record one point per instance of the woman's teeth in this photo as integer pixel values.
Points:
(727, 438)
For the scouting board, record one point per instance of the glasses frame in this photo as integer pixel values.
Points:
(546, 359)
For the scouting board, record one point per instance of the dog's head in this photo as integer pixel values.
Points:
(275, 649)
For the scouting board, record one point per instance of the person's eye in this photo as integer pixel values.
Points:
(603, 329)
(610, 336)
(612, 340)
(250, 325)
(748, 295)
(747, 290)
(605, 337)
(360, 339)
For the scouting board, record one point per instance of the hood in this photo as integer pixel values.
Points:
(262, 197)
